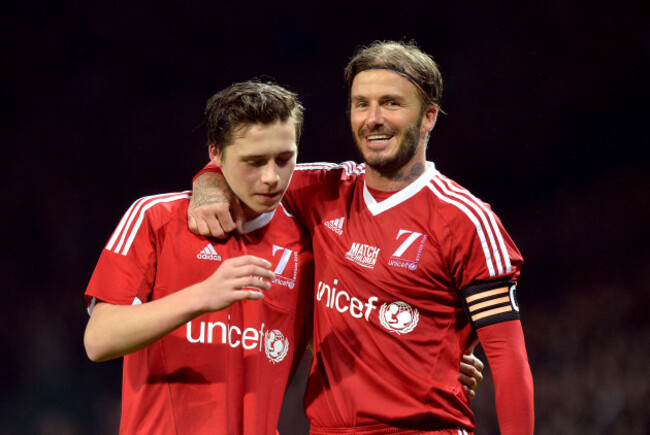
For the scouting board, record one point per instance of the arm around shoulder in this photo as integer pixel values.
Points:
(214, 209)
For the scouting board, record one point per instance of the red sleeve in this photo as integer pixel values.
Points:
(310, 182)
(513, 382)
(317, 183)
(479, 248)
(210, 167)
(292, 197)
(126, 269)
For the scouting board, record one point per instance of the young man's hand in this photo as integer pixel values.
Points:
(214, 211)
(237, 279)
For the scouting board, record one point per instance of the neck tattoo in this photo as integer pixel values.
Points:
(414, 172)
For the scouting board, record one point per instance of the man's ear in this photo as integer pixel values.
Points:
(429, 119)
(215, 155)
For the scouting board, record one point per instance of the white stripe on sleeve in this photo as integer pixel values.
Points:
(127, 228)
(349, 167)
(495, 226)
(475, 221)
(490, 227)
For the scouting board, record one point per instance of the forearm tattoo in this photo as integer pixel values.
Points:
(213, 192)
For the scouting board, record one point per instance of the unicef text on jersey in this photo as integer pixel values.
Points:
(273, 342)
(397, 316)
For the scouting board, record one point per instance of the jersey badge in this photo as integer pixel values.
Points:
(409, 249)
(208, 253)
(363, 255)
(336, 225)
(286, 270)
(399, 317)
(275, 346)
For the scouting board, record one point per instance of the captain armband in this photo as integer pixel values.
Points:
(490, 303)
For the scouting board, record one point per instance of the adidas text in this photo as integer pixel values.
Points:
(208, 253)
(336, 225)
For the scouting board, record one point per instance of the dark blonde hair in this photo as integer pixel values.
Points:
(252, 102)
(403, 57)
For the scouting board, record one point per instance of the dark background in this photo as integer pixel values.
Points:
(102, 103)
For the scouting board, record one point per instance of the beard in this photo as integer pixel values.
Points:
(389, 165)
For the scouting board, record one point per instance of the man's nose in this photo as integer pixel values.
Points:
(270, 174)
(375, 115)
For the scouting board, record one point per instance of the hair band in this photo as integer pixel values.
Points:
(397, 70)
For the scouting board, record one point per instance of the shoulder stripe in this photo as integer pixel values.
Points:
(486, 250)
(316, 165)
(349, 167)
(127, 229)
(486, 217)
(126, 221)
(481, 211)
(494, 225)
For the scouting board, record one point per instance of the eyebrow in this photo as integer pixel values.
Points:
(392, 97)
(261, 156)
(382, 98)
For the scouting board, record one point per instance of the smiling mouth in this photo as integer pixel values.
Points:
(378, 137)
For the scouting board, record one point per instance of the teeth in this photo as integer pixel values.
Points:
(379, 137)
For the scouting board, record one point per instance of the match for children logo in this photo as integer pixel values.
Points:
(363, 255)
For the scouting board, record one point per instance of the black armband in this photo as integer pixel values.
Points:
(489, 303)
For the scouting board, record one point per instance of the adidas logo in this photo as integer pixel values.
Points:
(336, 225)
(208, 253)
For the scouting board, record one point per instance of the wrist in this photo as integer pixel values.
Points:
(195, 301)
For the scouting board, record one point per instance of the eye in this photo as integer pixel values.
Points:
(392, 103)
(360, 105)
(283, 160)
(255, 163)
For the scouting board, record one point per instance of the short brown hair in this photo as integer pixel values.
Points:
(401, 56)
(252, 102)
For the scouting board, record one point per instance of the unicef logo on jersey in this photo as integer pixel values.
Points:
(399, 317)
(407, 254)
(286, 272)
(275, 346)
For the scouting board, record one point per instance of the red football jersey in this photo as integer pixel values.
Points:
(224, 372)
(389, 322)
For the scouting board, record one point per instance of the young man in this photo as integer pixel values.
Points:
(210, 329)
(411, 269)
